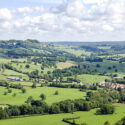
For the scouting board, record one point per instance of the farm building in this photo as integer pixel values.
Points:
(14, 79)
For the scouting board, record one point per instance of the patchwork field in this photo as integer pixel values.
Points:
(88, 117)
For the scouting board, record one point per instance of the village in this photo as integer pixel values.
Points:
(112, 85)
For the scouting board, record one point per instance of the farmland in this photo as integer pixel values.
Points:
(62, 65)
(88, 117)
(86, 78)
(20, 97)
(41, 81)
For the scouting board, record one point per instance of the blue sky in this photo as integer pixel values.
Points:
(21, 3)
(62, 20)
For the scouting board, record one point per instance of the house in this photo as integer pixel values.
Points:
(56, 80)
(118, 78)
(14, 79)
(112, 85)
(79, 83)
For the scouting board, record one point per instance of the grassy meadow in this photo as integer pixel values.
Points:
(62, 65)
(73, 50)
(104, 66)
(87, 78)
(88, 117)
(21, 66)
(20, 98)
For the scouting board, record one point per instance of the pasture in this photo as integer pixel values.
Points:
(104, 66)
(87, 78)
(73, 50)
(20, 98)
(21, 67)
(10, 73)
(85, 117)
(62, 65)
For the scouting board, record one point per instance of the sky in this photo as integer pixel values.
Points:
(63, 20)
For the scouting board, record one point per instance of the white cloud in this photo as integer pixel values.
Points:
(5, 14)
(72, 20)
(108, 28)
(30, 9)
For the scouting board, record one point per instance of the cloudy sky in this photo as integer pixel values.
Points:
(62, 20)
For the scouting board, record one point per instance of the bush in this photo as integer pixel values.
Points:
(23, 90)
(107, 123)
(5, 93)
(3, 114)
(121, 122)
(34, 85)
(27, 66)
(42, 96)
(106, 109)
(9, 90)
(29, 100)
(14, 94)
(56, 93)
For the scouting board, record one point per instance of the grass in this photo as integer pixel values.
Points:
(21, 66)
(105, 64)
(88, 117)
(86, 78)
(62, 65)
(3, 60)
(7, 73)
(64, 93)
(73, 50)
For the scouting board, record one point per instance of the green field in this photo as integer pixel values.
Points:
(21, 67)
(62, 65)
(88, 117)
(86, 78)
(3, 60)
(105, 64)
(64, 93)
(73, 50)
(10, 73)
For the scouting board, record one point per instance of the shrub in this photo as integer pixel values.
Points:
(56, 93)
(42, 96)
(5, 93)
(34, 85)
(23, 90)
(14, 94)
(107, 123)
(9, 90)
(106, 109)
(27, 66)
(121, 122)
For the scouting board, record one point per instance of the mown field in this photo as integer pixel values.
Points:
(8, 73)
(73, 50)
(87, 78)
(88, 117)
(20, 98)
(62, 65)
